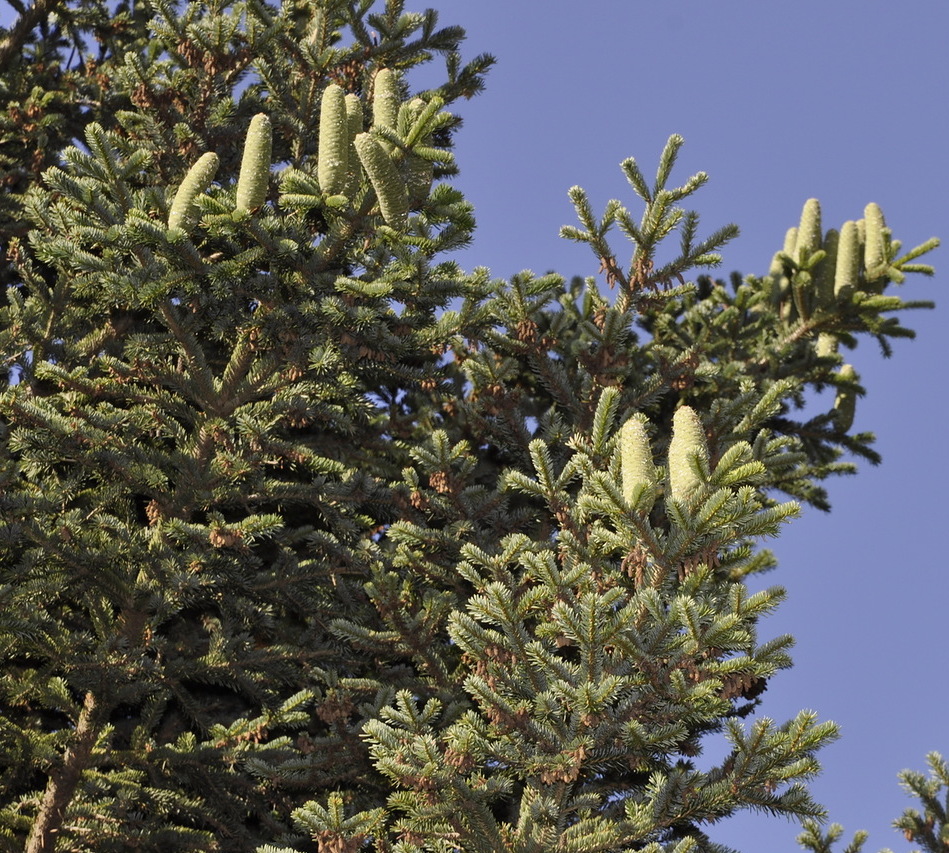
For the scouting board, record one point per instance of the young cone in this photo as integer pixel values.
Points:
(255, 164)
(636, 466)
(845, 404)
(809, 231)
(848, 260)
(385, 99)
(874, 256)
(198, 179)
(332, 164)
(354, 119)
(824, 282)
(389, 187)
(688, 442)
(790, 242)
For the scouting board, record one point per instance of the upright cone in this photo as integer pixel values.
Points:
(636, 466)
(255, 164)
(688, 443)
(332, 162)
(198, 179)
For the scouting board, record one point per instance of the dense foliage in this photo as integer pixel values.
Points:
(310, 540)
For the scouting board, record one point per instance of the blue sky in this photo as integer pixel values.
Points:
(843, 100)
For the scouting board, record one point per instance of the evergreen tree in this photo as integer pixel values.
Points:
(930, 829)
(310, 540)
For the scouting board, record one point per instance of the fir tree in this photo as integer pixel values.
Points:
(310, 540)
(929, 828)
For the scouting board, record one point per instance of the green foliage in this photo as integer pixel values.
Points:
(310, 540)
(928, 828)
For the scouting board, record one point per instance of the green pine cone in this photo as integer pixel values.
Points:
(637, 470)
(354, 126)
(826, 345)
(790, 243)
(809, 232)
(254, 176)
(418, 173)
(198, 179)
(781, 289)
(385, 180)
(385, 99)
(826, 270)
(332, 162)
(874, 254)
(845, 404)
(688, 442)
(847, 270)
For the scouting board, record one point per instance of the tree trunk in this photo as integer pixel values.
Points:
(63, 782)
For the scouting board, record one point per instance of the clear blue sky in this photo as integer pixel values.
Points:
(845, 100)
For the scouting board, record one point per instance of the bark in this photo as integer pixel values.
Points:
(63, 781)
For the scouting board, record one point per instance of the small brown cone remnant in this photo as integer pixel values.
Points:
(636, 466)
(255, 164)
(688, 442)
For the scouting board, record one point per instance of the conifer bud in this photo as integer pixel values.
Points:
(874, 255)
(845, 404)
(847, 271)
(636, 466)
(385, 180)
(255, 164)
(197, 180)
(688, 442)
(809, 231)
(332, 162)
(385, 99)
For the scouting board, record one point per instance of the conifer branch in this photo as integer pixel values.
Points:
(64, 780)
(28, 20)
